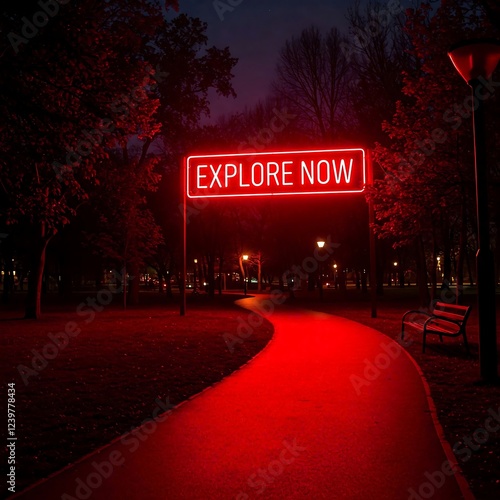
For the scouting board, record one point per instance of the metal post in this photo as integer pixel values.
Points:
(184, 239)
(373, 255)
(488, 358)
(320, 282)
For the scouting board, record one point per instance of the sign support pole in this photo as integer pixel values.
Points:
(182, 284)
(373, 255)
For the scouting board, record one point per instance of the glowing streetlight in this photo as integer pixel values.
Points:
(245, 272)
(321, 243)
(194, 275)
(476, 60)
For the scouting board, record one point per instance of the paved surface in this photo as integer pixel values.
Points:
(295, 423)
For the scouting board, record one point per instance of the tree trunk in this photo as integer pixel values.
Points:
(447, 239)
(133, 289)
(211, 275)
(380, 250)
(461, 252)
(33, 309)
(8, 279)
(124, 285)
(259, 272)
(168, 279)
(421, 268)
(221, 273)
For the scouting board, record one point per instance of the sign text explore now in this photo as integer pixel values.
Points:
(278, 173)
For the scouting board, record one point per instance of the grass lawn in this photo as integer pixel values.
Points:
(110, 377)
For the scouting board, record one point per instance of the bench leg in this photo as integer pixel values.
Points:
(423, 342)
(466, 344)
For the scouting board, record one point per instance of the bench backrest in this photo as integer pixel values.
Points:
(454, 312)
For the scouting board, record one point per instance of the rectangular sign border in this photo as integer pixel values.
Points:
(248, 195)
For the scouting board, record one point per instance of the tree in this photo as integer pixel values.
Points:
(377, 51)
(65, 109)
(313, 78)
(190, 70)
(492, 10)
(428, 163)
(125, 231)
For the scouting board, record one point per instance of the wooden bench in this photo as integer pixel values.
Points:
(446, 320)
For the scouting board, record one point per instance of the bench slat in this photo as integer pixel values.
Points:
(445, 320)
(444, 305)
(449, 315)
(444, 326)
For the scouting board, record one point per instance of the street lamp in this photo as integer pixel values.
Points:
(335, 276)
(245, 272)
(194, 275)
(321, 244)
(476, 60)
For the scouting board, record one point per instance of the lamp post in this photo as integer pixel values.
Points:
(476, 60)
(245, 272)
(195, 261)
(321, 244)
(335, 276)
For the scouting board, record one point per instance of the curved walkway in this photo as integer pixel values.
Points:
(330, 409)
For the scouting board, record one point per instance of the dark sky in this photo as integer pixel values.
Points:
(255, 31)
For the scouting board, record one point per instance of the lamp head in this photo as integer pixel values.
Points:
(475, 58)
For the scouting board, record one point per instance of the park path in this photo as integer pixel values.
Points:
(306, 419)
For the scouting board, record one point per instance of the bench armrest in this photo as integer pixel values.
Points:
(414, 311)
(445, 320)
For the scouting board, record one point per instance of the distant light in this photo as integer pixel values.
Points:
(245, 257)
(395, 264)
(195, 261)
(320, 243)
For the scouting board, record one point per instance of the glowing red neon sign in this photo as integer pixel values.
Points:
(280, 173)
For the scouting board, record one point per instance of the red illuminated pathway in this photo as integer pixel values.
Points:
(303, 420)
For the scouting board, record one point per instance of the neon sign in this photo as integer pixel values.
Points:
(326, 171)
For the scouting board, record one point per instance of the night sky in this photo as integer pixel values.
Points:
(255, 31)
